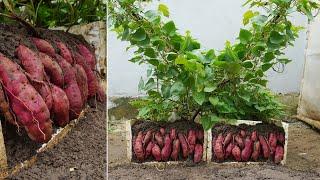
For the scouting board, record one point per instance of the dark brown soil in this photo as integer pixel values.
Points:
(80, 155)
(180, 126)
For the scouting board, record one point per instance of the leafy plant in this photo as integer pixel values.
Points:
(42, 13)
(190, 81)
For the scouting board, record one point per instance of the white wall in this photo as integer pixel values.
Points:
(212, 22)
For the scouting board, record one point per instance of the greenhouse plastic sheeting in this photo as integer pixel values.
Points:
(309, 103)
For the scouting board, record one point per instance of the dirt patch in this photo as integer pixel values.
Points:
(80, 155)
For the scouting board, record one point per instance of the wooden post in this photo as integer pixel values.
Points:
(3, 156)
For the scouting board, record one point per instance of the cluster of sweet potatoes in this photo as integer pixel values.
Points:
(168, 144)
(248, 146)
(46, 84)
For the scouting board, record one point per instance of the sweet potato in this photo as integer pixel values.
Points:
(92, 79)
(156, 152)
(34, 67)
(138, 148)
(218, 148)
(254, 136)
(61, 107)
(27, 104)
(89, 57)
(159, 139)
(149, 149)
(239, 141)
(191, 140)
(264, 147)
(198, 151)
(64, 51)
(279, 153)
(71, 87)
(256, 150)
(229, 150)
(175, 149)
(213, 143)
(247, 150)
(166, 150)
(200, 135)
(147, 138)
(5, 108)
(242, 133)
(52, 69)
(162, 131)
(44, 46)
(236, 153)
(227, 139)
(184, 145)
(101, 94)
(173, 134)
(82, 82)
(272, 143)
(280, 138)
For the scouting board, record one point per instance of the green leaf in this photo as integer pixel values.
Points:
(247, 16)
(139, 35)
(163, 9)
(245, 36)
(144, 111)
(266, 66)
(170, 28)
(247, 64)
(199, 97)
(214, 100)
(268, 57)
(284, 60)
(181, 60)
(209, 121)
(150, 52)
(209, 88)
(141, 84)
(276, 37)
(177, 88)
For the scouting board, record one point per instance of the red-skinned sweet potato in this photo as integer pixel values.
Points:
(281, 138)
(191, 140)
(272, 143)
(5, 108)
(92, 79)
(149, 149)
(279, 153)
(156, 152)
(89, 57)
(162, 131)
(227, 139)
(147, 138)
(64, 52)
(200, 135)
(243, 133)
(229, 150)
(166, 150)
(256, 151)
(159, 139)
(236, 153)
(101, 94)
(44, 46)
(213, 143)
(264, 146)
(82, 82)
(175, 149)
(34, 67)
(239, 141)
(254, 136)
(27, 104)
(60, 109)
(218, 148)
(173, 134)
(198, 151)
(138, 147)
(71, 87)
(247, 150)
(52, 69)
(184, 145)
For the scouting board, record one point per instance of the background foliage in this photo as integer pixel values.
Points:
(52, 13)
(187, 80)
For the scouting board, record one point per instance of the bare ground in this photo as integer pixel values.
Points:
(303, 158)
